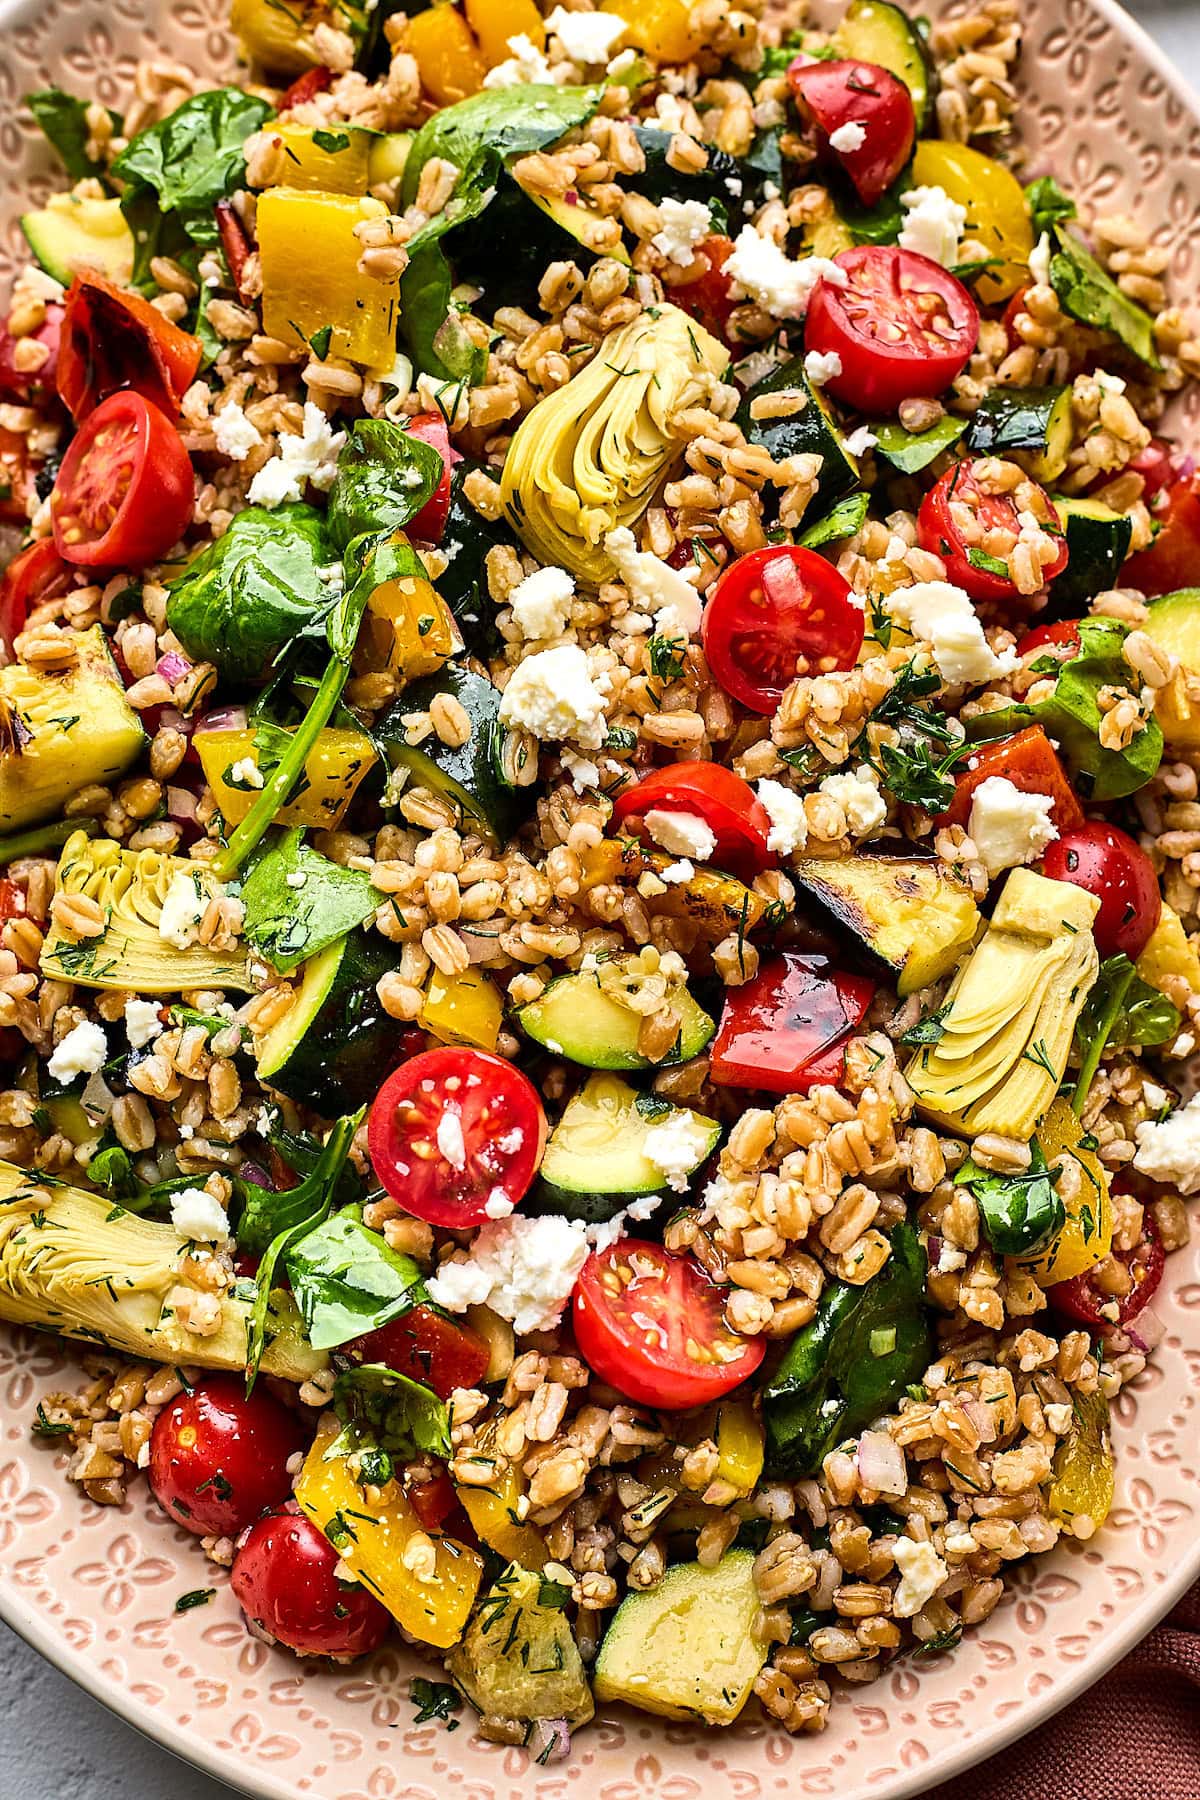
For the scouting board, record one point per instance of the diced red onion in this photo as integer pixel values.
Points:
(1147, 1331)
(1185, 468)
(222, 718)
(983, 1418)
(97, 1098)
(255, 1172)
(172, 665)
(549, 1740)
(881, 1463)
(182, 805)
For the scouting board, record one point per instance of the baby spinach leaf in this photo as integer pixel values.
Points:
(384, 477)
(381, 1407)
(347, 1281)
(912, 451)
(842, 521)
(1120, 1010)
(1047, 204)
(1019, 1212)
(508, 121)
(658, 181)
(63, 119)
(190, 160)
(254, 590)
(297, 902)
(852, 1362)
(1088, 292)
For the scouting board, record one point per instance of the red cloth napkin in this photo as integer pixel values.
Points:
(1134, 1736)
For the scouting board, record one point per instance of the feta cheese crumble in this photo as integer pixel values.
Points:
(552, 695)
(653, 584)
(676, 1147)
(450, 1140)
(523, 1268)
(234, 434)
(1009, 827)
(850, 136)
(1170, 1151)
(943, 616)
(1039, 261)
(766, 274)
(676, 873)
(587, 37)
(933, 224)
(541, 604)
(141, 1022)
(245, 773)
(82, 1052)
(196, 1215)
(680, 833)
(857, 793)
(524, 67)
(308, 456)
(860, 440)
(922, 1573)
(184, 905)
(785, 809)
(684, 224)
(821, 366)
(583, 771)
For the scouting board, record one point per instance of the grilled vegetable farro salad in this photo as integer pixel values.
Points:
(598, 778)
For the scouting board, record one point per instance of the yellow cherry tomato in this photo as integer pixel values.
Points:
(997, 216)
(1085, 1237)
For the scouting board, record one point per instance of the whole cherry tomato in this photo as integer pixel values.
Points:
(125, 490)
(430, 523)
(1108, 863)
(1027, 759)
(776, 613)
(652, 1325)
(864, 113)
(901, 325)
(285, 1582)
(37, 573)
(1084, 1299)
(218, 1458)
(786, 1029)
(708, 791)
(708, 299)
(111, 339)
(426, 1347)
(974, 557)
(1173, 559)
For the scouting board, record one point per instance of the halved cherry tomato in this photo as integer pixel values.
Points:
(1027, 759)
(1173, 559)
(1155, 463)
(902, 326)
(709, 299)
(31, 386)
(125, 491)
(840, 94)
(969, 561)
(112, 339)
(1081, 1298)
(652, 1325)
(284, 1579)
(36, 574)
(1108, 863)
(17, 475)
(454, 1131)
(728, 805)
(774, 614)
(12, 900)
(786, 1030)
(218, 1458)
(1061, 639)
(306, 87)
(426, 1347)
(430, 523)
(236, 242)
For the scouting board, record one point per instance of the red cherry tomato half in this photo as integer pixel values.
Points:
(1173, 559)
(1012, 313)
(786, 1030)
(840, 94)
(708, 299)
(427, 1348)
(728, 805)
(902, 326)
(283, 1579)
(112, 339)
(125, 491)
(36, 574)
(1082, 1297)
(941, 529)
(1061, 639)
(652, 1325)
(218, 1459)
(1026, 759)
(774, 614)
(451, 1130)
(236, 242)
(31, 386)
(430, 523)
(12, 900)
(1108, 863)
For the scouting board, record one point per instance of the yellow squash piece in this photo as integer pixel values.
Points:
(1174, 625)
(739, 1439)
(280, 37)
(494, 1511)
(331, 161)
(463, 1009)
(1083, 1485)
(451, 63)
(714, 903)
(333, 769)
(407, 629)
(371, 1538)
(592, 455)
(1011, 1012)
(662, 28)
(61, 730)
(1169, 961)
(309, 256)
(997, 216)
(519, 1659)
(912, 913)
(72, 1263)
(1085, 1236)
(130, 888)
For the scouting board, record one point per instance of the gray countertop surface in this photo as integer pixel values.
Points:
(56, 1743)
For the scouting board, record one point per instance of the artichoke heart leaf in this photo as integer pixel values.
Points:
(1011, 1011)
(591, 456)
(75, 1264)
(130, 888)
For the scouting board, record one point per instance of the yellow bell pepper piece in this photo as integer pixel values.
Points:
(1168, 958)
(739, 1446)
(371, 1540)
(1081, 1491)
(1085, 1238)
(334, 161)
(997, 216)
(492, 1510)
(663, 28)
(309, 257)
(450, 61)
(463, 1009)
(335, 765)
(495, 21)
(407, 629)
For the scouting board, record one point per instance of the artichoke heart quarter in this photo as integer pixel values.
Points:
(592, 455)
(130, 887)
(75, 1264)
(1011, 1012)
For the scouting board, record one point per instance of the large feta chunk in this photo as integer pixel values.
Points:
(1170, 1151)
(676, 1147)
(680, 833)
(587, 37)
(684, 224)
(541, 604)
(1009, 827)
(196, 1215)
(307, 456)
(523, 1268)
(942, 615)
(233, 433)
(766, 274)
(653, 584)
(933, 224)
(82, 1052)
(785, 809)
(552, 695)
(857, 793)
(184, 905)
(524, 68)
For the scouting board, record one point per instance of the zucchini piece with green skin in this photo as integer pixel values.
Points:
(595, 1161)
(686, 1648)
(463, 582)
(908, 912)
(1036, 420)
(574, 1018)
(810, 429)
(470, 776)
(912, 451)
(333, 1046)
(1098, 542)
(874, 31)
(69, 233)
